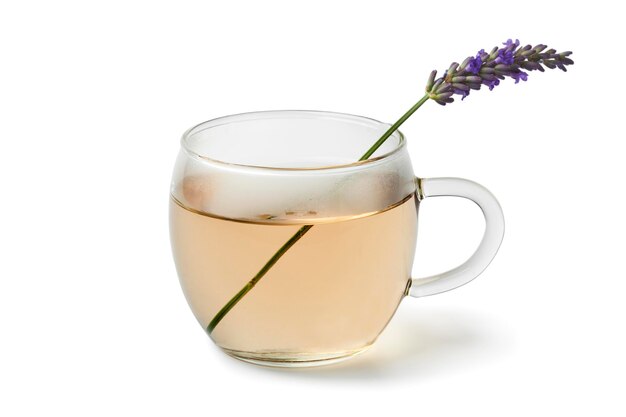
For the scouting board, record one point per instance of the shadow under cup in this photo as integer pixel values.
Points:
(245, 185)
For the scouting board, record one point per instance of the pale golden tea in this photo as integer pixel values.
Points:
(329, 296)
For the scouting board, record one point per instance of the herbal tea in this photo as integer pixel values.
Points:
(329, 296)
(292, 250)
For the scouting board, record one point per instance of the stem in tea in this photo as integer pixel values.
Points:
(231, 303)
(304, 229)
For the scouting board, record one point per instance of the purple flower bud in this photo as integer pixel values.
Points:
(437, 83)
(474, 64)
(521, 75)
(510, 44)
(488, 77)
(462, 93)
(431, 80)
(443, 101)
(505, 56)
(491, 83)
(464, 63)
(531, 66)
(444, 95)
(444, 87)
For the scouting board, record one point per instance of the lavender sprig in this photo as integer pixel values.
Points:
(483, 69)
(490, 68)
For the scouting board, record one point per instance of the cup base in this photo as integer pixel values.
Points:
(293, 360)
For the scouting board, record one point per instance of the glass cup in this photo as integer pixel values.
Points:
(291, 253)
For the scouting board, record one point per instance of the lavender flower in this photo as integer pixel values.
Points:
(490, 68)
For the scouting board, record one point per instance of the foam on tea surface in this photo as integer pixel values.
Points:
(301, 172)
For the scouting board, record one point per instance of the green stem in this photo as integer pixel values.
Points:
(231, 303)
(304, 229)
(393, 128)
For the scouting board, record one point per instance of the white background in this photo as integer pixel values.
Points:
(94, 97)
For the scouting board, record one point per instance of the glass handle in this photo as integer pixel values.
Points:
(488, 247)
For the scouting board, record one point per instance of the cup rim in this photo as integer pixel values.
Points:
(266, 114)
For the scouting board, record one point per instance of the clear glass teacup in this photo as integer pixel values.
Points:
(288, 251)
